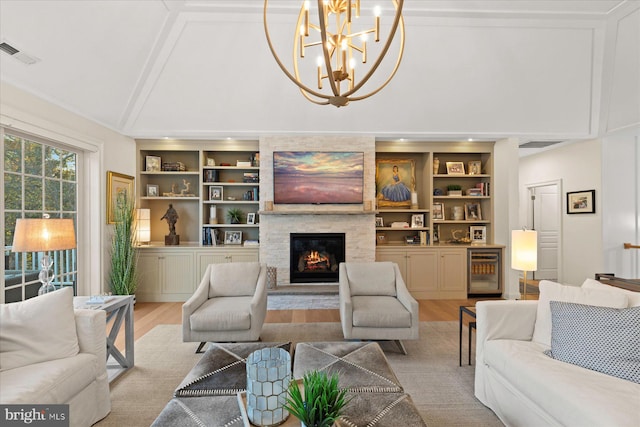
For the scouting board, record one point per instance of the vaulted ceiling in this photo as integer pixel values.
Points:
(535, 69)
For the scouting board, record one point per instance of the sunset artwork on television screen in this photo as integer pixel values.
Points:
(314, 177)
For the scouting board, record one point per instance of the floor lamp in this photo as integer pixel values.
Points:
(524, 253)
(44, 235)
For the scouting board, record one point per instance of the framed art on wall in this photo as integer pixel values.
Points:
(581, 202)
(118, 185)
(395, 181)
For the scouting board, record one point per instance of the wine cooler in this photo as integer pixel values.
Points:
(485, 271)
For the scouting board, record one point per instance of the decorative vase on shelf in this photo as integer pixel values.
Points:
(436, 165)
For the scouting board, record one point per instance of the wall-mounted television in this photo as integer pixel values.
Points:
(318, 177)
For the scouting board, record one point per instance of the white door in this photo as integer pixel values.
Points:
(546, 214)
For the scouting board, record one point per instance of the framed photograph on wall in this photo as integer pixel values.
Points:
(153, 190)
(478, 234)
(152, 163)
(472, 212)
(118, 185)
(395, 181)
(417, 221)
(438, 211)
(215, 192)
(455, 168)
(579, 202)
(233, 237)
(251, 218)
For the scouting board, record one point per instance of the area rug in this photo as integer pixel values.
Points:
(441, 390)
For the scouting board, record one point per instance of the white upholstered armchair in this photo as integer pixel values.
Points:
(229, 305)
(375, 303)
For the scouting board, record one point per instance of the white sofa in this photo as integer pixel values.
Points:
(525, 387)
(53, 354)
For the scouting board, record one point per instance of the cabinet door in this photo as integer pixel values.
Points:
(244, 257)
(148, 276)
(211, 258)
(422, 271)
(399, 257)
(178, 273)
(452, 271)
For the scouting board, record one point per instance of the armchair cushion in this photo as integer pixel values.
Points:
(38, 330)
(223, 314)
(371, 278)
(379, 312)
(233, 279)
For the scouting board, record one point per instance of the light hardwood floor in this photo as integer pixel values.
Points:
(149, 314)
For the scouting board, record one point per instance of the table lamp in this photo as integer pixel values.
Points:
(524, 253)
(44, 235)
(143, 226)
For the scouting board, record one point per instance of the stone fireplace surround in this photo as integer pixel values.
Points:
(357, 222)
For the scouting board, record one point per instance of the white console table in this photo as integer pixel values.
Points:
(119, 308)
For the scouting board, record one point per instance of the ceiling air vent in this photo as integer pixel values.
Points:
(539, 144)
(15, 53)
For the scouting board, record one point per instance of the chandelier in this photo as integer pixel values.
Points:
(340, 43)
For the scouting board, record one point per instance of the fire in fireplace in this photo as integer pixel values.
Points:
(315, 256)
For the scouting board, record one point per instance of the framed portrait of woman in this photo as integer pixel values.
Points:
(395, 181)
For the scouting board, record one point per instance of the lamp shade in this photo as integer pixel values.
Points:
(524, 250)
(143, 226)
(43, 234)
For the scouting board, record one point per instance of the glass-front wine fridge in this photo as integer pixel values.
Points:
(485, 271)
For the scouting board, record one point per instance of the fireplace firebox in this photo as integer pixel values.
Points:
(315, 257)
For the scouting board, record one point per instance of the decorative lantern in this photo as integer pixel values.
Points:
(268, 377)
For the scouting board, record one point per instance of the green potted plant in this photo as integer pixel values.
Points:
(319, 403)
(124, 258)
(454, 190)
(234, 215)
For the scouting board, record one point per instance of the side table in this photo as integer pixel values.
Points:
(471, 312)
(120, 307)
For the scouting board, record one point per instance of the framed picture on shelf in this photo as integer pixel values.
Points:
(233, 237)
(438, 211)
(436, 234)
(472, 212)
(118, 186)
(417, 221)
(395, 181)
(478, 234)
(215, 192)
(251, 218)
(455, 168)
(475, 167)
(152, 163)
(581, 202)
(381, 239)
(379, 221)
(153, 190)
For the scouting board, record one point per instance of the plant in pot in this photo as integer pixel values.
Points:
(124, 258)
(234, 215)
(320, 402)
(454, 190)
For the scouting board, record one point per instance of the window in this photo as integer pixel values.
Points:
(39, 178)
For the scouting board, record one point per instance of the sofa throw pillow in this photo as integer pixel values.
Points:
(602, 339)
(551, 291)
(634, 297)
(37, 330)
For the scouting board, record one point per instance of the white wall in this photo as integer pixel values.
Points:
(103, 149)
(578, 166)
(621, 202)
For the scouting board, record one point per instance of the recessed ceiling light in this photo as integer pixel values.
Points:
(470, 139)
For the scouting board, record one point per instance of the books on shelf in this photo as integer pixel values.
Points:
(173, 167)
(209, 236)
(210, 175)
(484, 188)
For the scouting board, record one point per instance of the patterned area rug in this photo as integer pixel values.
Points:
(442, 391)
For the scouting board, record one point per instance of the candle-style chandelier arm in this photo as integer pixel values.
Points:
(303, 88)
